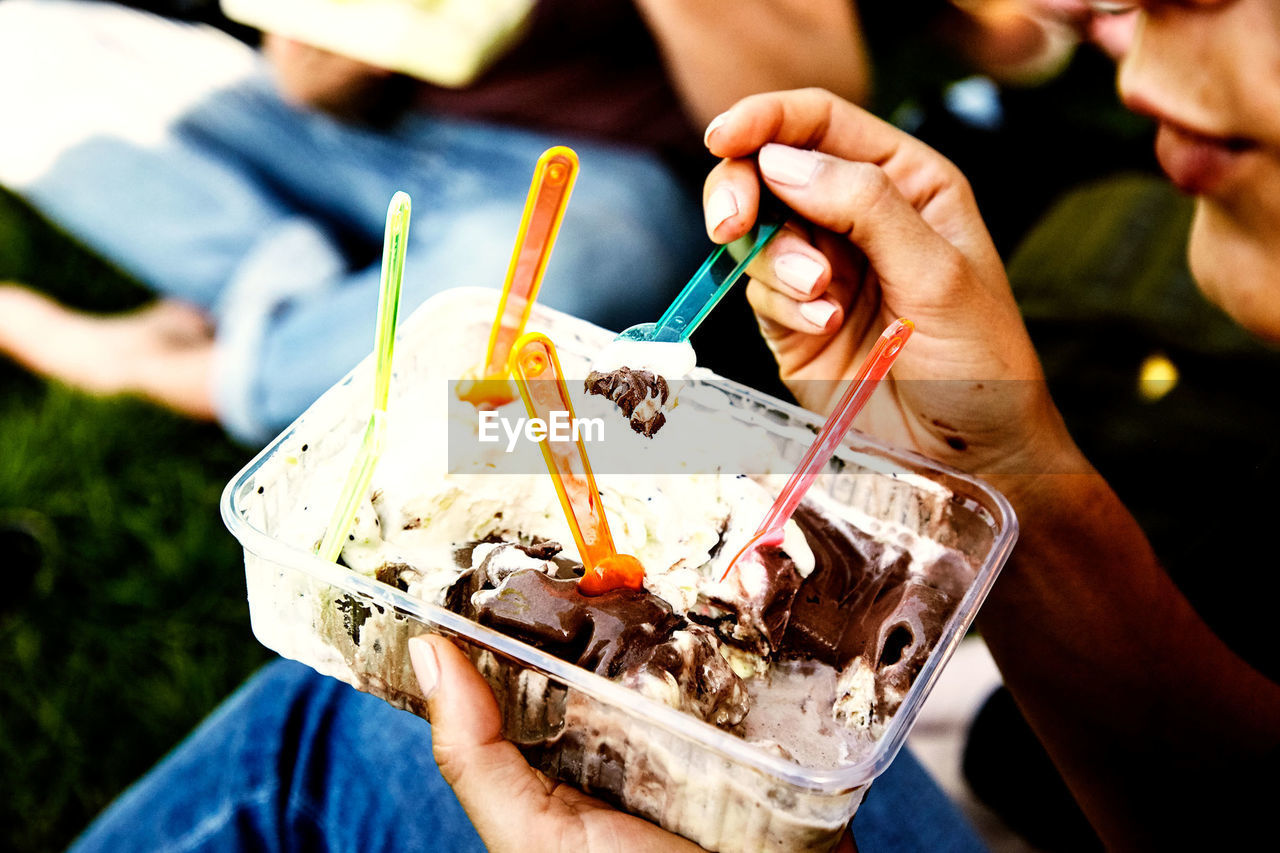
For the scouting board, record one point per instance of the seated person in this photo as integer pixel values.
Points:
(1117, 672)
(249, 189)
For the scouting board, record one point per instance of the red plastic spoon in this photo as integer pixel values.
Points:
(536, 371)
(877, 364)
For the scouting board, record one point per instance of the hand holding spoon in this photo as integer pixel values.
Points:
(718, 273)
(642, 368)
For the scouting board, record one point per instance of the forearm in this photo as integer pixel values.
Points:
(718, 51)
(1136, 699)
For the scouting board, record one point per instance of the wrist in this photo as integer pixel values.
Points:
(1033, 476)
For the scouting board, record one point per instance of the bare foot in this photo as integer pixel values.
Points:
(163, 352)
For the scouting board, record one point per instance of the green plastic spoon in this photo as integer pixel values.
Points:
(361, 474)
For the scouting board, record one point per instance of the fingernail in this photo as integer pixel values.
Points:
(721, 206)
(817, 312)
(798, 271)
(711, 127)
(424, 665)
(791, 166)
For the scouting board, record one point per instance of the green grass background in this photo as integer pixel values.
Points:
(123, 619)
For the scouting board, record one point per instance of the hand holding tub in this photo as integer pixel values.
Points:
(513, 806)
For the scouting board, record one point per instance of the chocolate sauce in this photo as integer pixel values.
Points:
(859, 590)
(864, 605)
(629, 635)
(607, 634)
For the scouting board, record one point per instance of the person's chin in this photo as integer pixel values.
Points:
(1239, 274)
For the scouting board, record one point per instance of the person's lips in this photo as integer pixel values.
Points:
(1198, 164)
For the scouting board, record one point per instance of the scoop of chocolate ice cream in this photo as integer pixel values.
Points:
(688, 673)
(755, 616)
(907, 624)
(854, 588)
(487, 562)
(640, 394)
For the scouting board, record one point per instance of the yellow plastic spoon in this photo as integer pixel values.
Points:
(544, 209)
(536, 370)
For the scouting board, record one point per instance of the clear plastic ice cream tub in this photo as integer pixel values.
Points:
(706, 784)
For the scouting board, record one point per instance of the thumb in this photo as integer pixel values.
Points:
(491, 779)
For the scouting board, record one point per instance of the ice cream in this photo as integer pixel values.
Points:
(638, 376)
(640, 394)
(797, 691)
(860, 609)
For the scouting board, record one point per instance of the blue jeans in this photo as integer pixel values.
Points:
(270, 217)
(298, 761)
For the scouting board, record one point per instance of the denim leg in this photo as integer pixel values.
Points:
(299, 761)
(631, 235)
(906, 811)
(91, 91)
(213, 190)
(292, 761)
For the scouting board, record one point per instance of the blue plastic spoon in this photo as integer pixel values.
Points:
(705, 289)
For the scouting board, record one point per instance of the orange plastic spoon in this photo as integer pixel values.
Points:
(537, 374)
(544, 209)
(877, 364)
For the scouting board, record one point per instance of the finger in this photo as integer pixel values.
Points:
(495, 785)
(512, 806)
(792, 265)
(730, 200)
(817, 119)
(730, 204)
(914, 263)
(805, 118)
(1114, 33)
(781, 312)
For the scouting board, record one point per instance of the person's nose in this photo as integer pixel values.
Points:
(1114, 33)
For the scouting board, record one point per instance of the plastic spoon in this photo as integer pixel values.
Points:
(877, 364)
(536, 370)
(705, 289)
(544, 208)
(394, 240)
(663, 348)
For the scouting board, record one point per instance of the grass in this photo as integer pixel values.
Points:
(124, 620)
